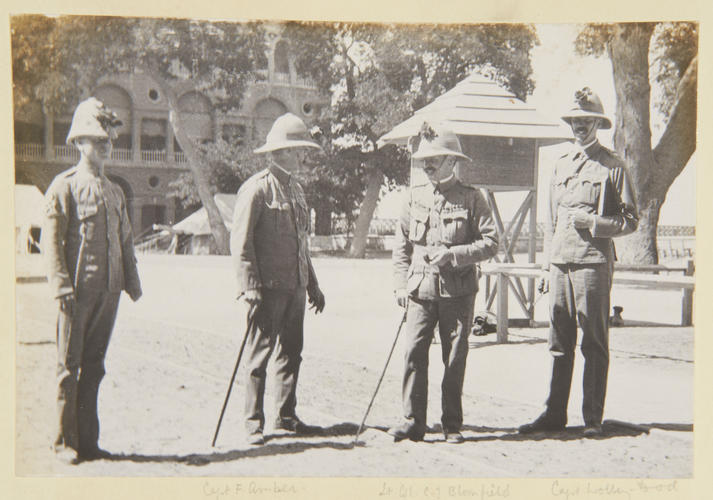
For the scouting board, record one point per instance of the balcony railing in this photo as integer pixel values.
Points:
(157, 156)
(122, 154)
(30, 150)
(70, 154)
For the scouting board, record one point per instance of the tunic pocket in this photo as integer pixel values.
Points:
(418, 225)
(280, 214)
(454, 227)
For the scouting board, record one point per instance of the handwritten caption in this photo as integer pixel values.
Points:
(609, 489)
(437, 491)
(273, 489)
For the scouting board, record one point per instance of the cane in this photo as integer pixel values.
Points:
(378, 384)
(251, 320)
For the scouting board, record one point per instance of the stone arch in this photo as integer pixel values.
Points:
(265, 113)
(118, 100)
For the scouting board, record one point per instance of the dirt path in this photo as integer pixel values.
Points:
(172, 354)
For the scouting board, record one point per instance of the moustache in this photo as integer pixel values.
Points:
(429, 170)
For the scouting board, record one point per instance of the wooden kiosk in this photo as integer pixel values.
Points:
(502, 135)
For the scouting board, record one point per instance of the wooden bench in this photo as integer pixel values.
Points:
(624, 275)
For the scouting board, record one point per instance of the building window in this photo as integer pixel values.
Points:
(153, 134)
(153, 181)
(153, 95)
(307, 109)
(282, 62)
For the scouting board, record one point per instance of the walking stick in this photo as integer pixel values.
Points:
(378, 384)
(251, 320)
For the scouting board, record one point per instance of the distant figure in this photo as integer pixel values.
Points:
(445, 228)
(591, 200)
(88, 244)
(269, 244)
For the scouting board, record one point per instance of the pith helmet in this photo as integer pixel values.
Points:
(587, 104)
(288, 131)
(93, 119)
(437, 141)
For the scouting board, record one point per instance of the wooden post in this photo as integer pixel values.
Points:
(532, 247)
(687, 298)
(503, 290)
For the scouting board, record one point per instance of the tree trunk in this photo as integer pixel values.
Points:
(215, 220)
(628, 51)
(322, 220)
(640, 247)
(366, 213)
(652, 171)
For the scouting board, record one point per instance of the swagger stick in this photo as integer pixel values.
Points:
(251, 320)
(378, 384)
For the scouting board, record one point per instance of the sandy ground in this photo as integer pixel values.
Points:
(173, 352)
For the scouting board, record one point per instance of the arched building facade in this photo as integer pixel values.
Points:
(146, 157)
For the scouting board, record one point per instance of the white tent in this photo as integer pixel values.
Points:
(197, 223)
(29, 203)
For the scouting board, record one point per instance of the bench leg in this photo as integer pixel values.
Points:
(503, 290)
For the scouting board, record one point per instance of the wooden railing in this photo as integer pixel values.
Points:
(648, 276)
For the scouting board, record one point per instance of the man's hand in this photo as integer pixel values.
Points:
(581, 219)
(316, 299)
(543, 284)
(441, 257)
(401, 297)
(252, 297)
(66, 303)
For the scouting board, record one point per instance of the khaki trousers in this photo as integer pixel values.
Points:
(82, 340)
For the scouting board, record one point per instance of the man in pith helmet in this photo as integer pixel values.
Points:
(269, 244)
(88, 244)
(591, 200)
(445, 228)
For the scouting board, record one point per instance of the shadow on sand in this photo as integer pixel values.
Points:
(270, 448)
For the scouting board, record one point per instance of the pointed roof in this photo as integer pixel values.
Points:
(479, 106)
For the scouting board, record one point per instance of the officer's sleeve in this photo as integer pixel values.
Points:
(403, 249)
(132, 283)
(54, 229)
(312, 282)
(248, 207)
(485, 244)
(625, 218)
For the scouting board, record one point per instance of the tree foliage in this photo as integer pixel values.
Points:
(377, 75)
(57, 61)
(645, 55)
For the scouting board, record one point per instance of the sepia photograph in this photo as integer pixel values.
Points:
(286, 249)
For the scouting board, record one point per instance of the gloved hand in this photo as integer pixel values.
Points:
(316, 299)
(401, 297)
(252, 297)
(441, 257)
